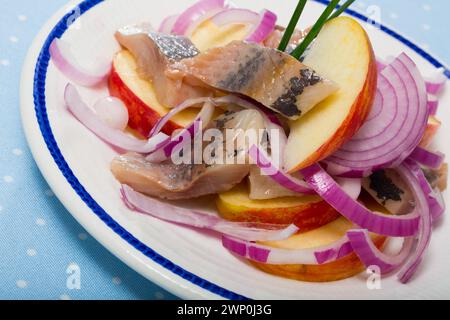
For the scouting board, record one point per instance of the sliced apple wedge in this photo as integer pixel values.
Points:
(308, 212)
(140, 97)
(432, 129)
(342, 53)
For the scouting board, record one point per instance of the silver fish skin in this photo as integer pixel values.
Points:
(268, 76)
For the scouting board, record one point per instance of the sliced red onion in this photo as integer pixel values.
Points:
(63, 59)
(369, 254)
(434, 197)
(433, 104)
(165, 148)
(193, 218)
(263, 23)
(168, 24)
(276, 256)
(436, 82)
(287, 181)
(425, 226)
(433, 160)
(264, 28)
(352, 187)
(235, 16)
(381, 65)
(395, 126)
(110, 135)
(331, 192)
(195, 12)
(113, 112)
(181, 107)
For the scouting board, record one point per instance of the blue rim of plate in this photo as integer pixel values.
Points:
(44, 125)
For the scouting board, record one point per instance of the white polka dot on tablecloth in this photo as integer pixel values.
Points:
(117, 281)
(8, 179)
(13, 39)
(49, 193)
(65, 297)
(31, 252)
(426, 27)
(159, 295)
(1, 209)
(426, 7)
(22, 17)
(393, 15)
(21, 284)
(40, 222)
(82, 236)
(17, 152)
(4, 62)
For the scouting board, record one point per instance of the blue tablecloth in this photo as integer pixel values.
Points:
(40, 242)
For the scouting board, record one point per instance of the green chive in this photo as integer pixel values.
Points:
(298, 52)
(292, 25)
(341, 9)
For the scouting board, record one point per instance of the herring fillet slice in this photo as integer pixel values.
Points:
(154, 53)
(272, 78)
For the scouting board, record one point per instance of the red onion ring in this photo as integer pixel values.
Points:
(165, 148)
(433, 160)
(111, 136)
(369, 254)
(265, 27)
(434, 197)
(287, 181)
(436, 82)
(433, 104)
(195, 12)
(181, 107)
(390, 135)
(331, 192)
(275, 256)
(425, 226)
(235, 16)
(65, 62)
(167, 24)
(193, 218)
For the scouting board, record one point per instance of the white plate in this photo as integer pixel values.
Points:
(188, 263)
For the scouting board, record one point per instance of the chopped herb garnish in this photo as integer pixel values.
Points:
(341, 9)
(292, 25)
(301, 48)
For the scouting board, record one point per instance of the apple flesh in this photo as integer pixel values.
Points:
(208, 35)
(432, 129)
(140, 98)
(342, 53)
(307, 212)
(346, 267)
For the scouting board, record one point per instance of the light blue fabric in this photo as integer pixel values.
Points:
(39, 240)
